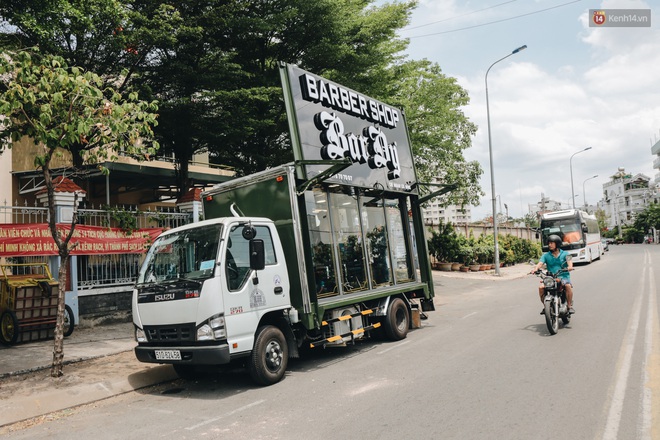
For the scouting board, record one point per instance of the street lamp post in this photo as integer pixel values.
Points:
(490, 152)
(584, 193)
(570, 163)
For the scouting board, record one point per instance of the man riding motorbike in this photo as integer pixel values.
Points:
(556, 259)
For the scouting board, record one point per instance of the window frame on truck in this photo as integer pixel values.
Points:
(346, 225)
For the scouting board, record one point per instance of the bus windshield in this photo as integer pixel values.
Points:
(568, 229)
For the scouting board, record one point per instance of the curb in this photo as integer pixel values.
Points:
(55, 397)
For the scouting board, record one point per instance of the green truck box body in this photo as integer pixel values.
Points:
(277, 194)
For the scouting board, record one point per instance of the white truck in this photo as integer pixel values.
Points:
(320, 251)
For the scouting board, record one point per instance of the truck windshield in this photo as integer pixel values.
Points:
(188, 254)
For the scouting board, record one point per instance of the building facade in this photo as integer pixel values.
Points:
(434, 214)
(625, 195)
(655, 150)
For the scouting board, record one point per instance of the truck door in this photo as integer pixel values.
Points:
(246, 301)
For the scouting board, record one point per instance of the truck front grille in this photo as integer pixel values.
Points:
(170, 333)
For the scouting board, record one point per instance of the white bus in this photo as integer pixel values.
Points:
(578, 231)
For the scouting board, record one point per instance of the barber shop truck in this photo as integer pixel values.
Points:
(274, 268)
(323, 251)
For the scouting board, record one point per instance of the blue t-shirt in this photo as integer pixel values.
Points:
(555, 263)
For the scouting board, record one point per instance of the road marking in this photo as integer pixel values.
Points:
(651, 357)
(468, 315)
(625, 356)
(215, 419)
(392, 348)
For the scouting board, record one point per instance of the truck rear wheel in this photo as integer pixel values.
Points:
(269, 357)
(397, 320)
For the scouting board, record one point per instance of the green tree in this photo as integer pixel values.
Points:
(601, 218)
(114, 39)
(65, 109)
(439, 130)
(531, 220)
(212, 65)
(647, 219)
(444, 243)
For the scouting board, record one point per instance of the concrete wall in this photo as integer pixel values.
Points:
(476, 230)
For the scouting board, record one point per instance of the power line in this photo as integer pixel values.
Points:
(457, 16)
(496, 21)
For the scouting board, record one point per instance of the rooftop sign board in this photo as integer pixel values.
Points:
(331, 122)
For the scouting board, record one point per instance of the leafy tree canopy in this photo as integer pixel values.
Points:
(62, 108)
(213, 67)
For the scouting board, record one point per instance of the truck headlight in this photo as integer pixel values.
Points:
(213, 329)
(204, 333)
(140, 336)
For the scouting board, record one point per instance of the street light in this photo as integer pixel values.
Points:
(584, 194)
(570, 162)
(490, 152)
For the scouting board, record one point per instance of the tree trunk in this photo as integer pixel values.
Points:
(58, 347)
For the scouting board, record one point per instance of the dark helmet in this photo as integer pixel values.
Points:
(555, 239)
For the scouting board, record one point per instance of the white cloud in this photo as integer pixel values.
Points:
(574, 87)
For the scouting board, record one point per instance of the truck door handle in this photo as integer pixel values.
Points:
(278, 290)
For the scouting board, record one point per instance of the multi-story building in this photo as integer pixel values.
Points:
(434, 214)
(544, 205)
(655, 150)
(624, 195)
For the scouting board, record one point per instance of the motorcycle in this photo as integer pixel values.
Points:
(556, 306)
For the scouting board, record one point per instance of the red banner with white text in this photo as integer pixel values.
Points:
(22, 240)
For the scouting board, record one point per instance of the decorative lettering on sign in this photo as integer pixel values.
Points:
(347, 101)
(370, 147)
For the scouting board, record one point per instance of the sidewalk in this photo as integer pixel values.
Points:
(109, 369)
(99, 363)
(506, 273)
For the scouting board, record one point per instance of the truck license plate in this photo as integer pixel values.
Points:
(167, 355)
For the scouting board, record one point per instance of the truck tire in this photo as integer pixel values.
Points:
(269, 357)
(397, 320)
(8, 327)
(69, 321)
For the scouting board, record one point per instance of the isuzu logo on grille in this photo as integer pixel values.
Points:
(164, 297)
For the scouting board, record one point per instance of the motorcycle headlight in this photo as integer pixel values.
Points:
(548, 282)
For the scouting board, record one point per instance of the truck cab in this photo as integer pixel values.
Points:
(205, 288)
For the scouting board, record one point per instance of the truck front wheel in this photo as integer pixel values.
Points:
(269, 357)
(397, 320)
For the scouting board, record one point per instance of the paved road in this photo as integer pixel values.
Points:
(482, 367)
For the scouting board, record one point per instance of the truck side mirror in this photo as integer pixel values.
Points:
(257, 254)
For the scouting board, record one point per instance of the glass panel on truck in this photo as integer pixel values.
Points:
(346, 221)
(320, 238)
(396, 218)
(373, 221)
(237, 257)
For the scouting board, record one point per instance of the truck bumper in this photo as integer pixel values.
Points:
(207, 355)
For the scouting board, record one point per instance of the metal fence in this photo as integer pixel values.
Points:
(101, 273)
(126, 217)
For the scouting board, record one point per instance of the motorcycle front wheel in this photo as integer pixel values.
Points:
(551, 319)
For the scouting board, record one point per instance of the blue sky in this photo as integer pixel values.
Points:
(573, 87)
